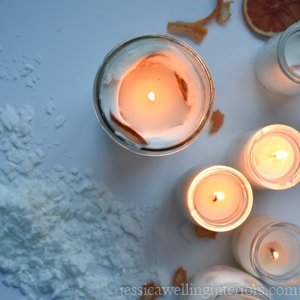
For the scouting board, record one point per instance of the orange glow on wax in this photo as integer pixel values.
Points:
(151, 100)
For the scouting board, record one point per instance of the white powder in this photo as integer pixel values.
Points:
(63, 234)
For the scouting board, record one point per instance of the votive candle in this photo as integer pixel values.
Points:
(269, 248)
(269, 157)
(218, 198)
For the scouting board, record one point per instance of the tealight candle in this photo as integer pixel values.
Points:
(153, 95)
(269, 249)
(218, 198)
(269, 157)
(223, 282)
(277, 64)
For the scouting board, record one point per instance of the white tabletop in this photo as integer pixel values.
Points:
(67, 40)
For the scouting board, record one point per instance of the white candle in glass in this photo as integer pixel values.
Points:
(269, 249)
(269, 157)
(277, 64)
(218, 198)
(153, 95)
(223, 282)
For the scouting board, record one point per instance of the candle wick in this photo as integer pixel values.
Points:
(280, 154)
(218, 196)
(274, 254)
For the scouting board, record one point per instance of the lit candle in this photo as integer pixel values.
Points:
(150, 98)
(277, 64)
(218, 198)
(269, 249)
(153, 95)
(223, 282)
(269, 157)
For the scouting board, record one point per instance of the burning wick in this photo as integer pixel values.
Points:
(281, 154)
(274, 254)
(151, 96)
(218, 196)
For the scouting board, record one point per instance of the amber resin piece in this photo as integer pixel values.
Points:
(216, 121)
(127, 128)
(205, 233)
(180, 277)
(150, 291)
(196, 29)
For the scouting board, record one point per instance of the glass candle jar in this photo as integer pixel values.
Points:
(269, 157)
(218, 198)
(153, 95)
(223, 282)
(269, 249)
(277, 63)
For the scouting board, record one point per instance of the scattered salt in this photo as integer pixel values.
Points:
(60, 121)
(63, 234)
(50, 107)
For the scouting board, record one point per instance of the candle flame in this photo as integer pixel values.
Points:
(274, 254)
(281, 154)
(218, 196)
(151, 96)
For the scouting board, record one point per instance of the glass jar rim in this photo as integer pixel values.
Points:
(282, 62)
(125, 142)
(288, 279)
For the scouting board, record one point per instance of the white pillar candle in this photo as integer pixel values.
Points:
(269, 157)
(153, 95)
(277, 64)
(223, 282)
(269, 249)
(218, 198)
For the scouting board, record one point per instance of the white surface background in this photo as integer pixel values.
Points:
(73, 37)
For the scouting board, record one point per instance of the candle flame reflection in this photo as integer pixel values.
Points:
(151, 96)
(274, 254)
(218, 196)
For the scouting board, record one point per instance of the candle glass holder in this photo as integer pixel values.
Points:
(277, 168)
(269, 249)
(192, 79)
(277, 64)
(218, 198)
(223, 282)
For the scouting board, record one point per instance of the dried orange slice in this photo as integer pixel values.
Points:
(196, 29)
(268, 17)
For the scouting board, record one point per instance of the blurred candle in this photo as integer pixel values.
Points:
(269, 157)
(269, 249)
(277, 64)
(223, 283)
(218, 198)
